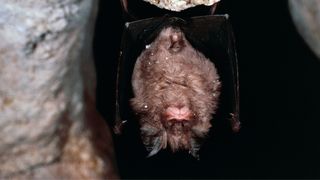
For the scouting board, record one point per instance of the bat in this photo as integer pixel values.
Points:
(176, 90)
(175, 80)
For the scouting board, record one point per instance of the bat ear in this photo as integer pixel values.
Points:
(156, 146)
(195, 147)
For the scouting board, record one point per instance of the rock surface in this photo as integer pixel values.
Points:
(306, 16)
(49, 128)
(179, 5)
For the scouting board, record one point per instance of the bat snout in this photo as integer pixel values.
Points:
(178, 113)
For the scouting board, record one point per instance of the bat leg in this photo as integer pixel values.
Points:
(213, 8)
(124, 4)
(125, 8)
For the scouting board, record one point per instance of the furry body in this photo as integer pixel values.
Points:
(176, 92)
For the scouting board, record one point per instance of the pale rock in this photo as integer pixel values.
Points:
(306, 16)
(179, 5)
(49, 128)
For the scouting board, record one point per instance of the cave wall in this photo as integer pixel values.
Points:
(49, 126)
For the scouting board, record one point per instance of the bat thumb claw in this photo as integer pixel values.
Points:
(117, 129)
(235, 123)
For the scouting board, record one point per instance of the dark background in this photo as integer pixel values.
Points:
(279, 90)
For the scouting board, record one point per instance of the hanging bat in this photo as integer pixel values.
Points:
(176, 80)
(176, 91)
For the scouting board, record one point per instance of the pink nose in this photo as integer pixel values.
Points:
(176, 113)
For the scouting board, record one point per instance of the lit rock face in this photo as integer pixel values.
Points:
(306, 16)
(49, 128)
(179, 5)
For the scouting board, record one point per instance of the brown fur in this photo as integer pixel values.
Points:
(170, 72)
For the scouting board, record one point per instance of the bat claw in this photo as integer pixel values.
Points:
(235, 123)
(117, 129)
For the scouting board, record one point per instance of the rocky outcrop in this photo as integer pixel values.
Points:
(306, 16)
(179, 5)
(49, 127)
